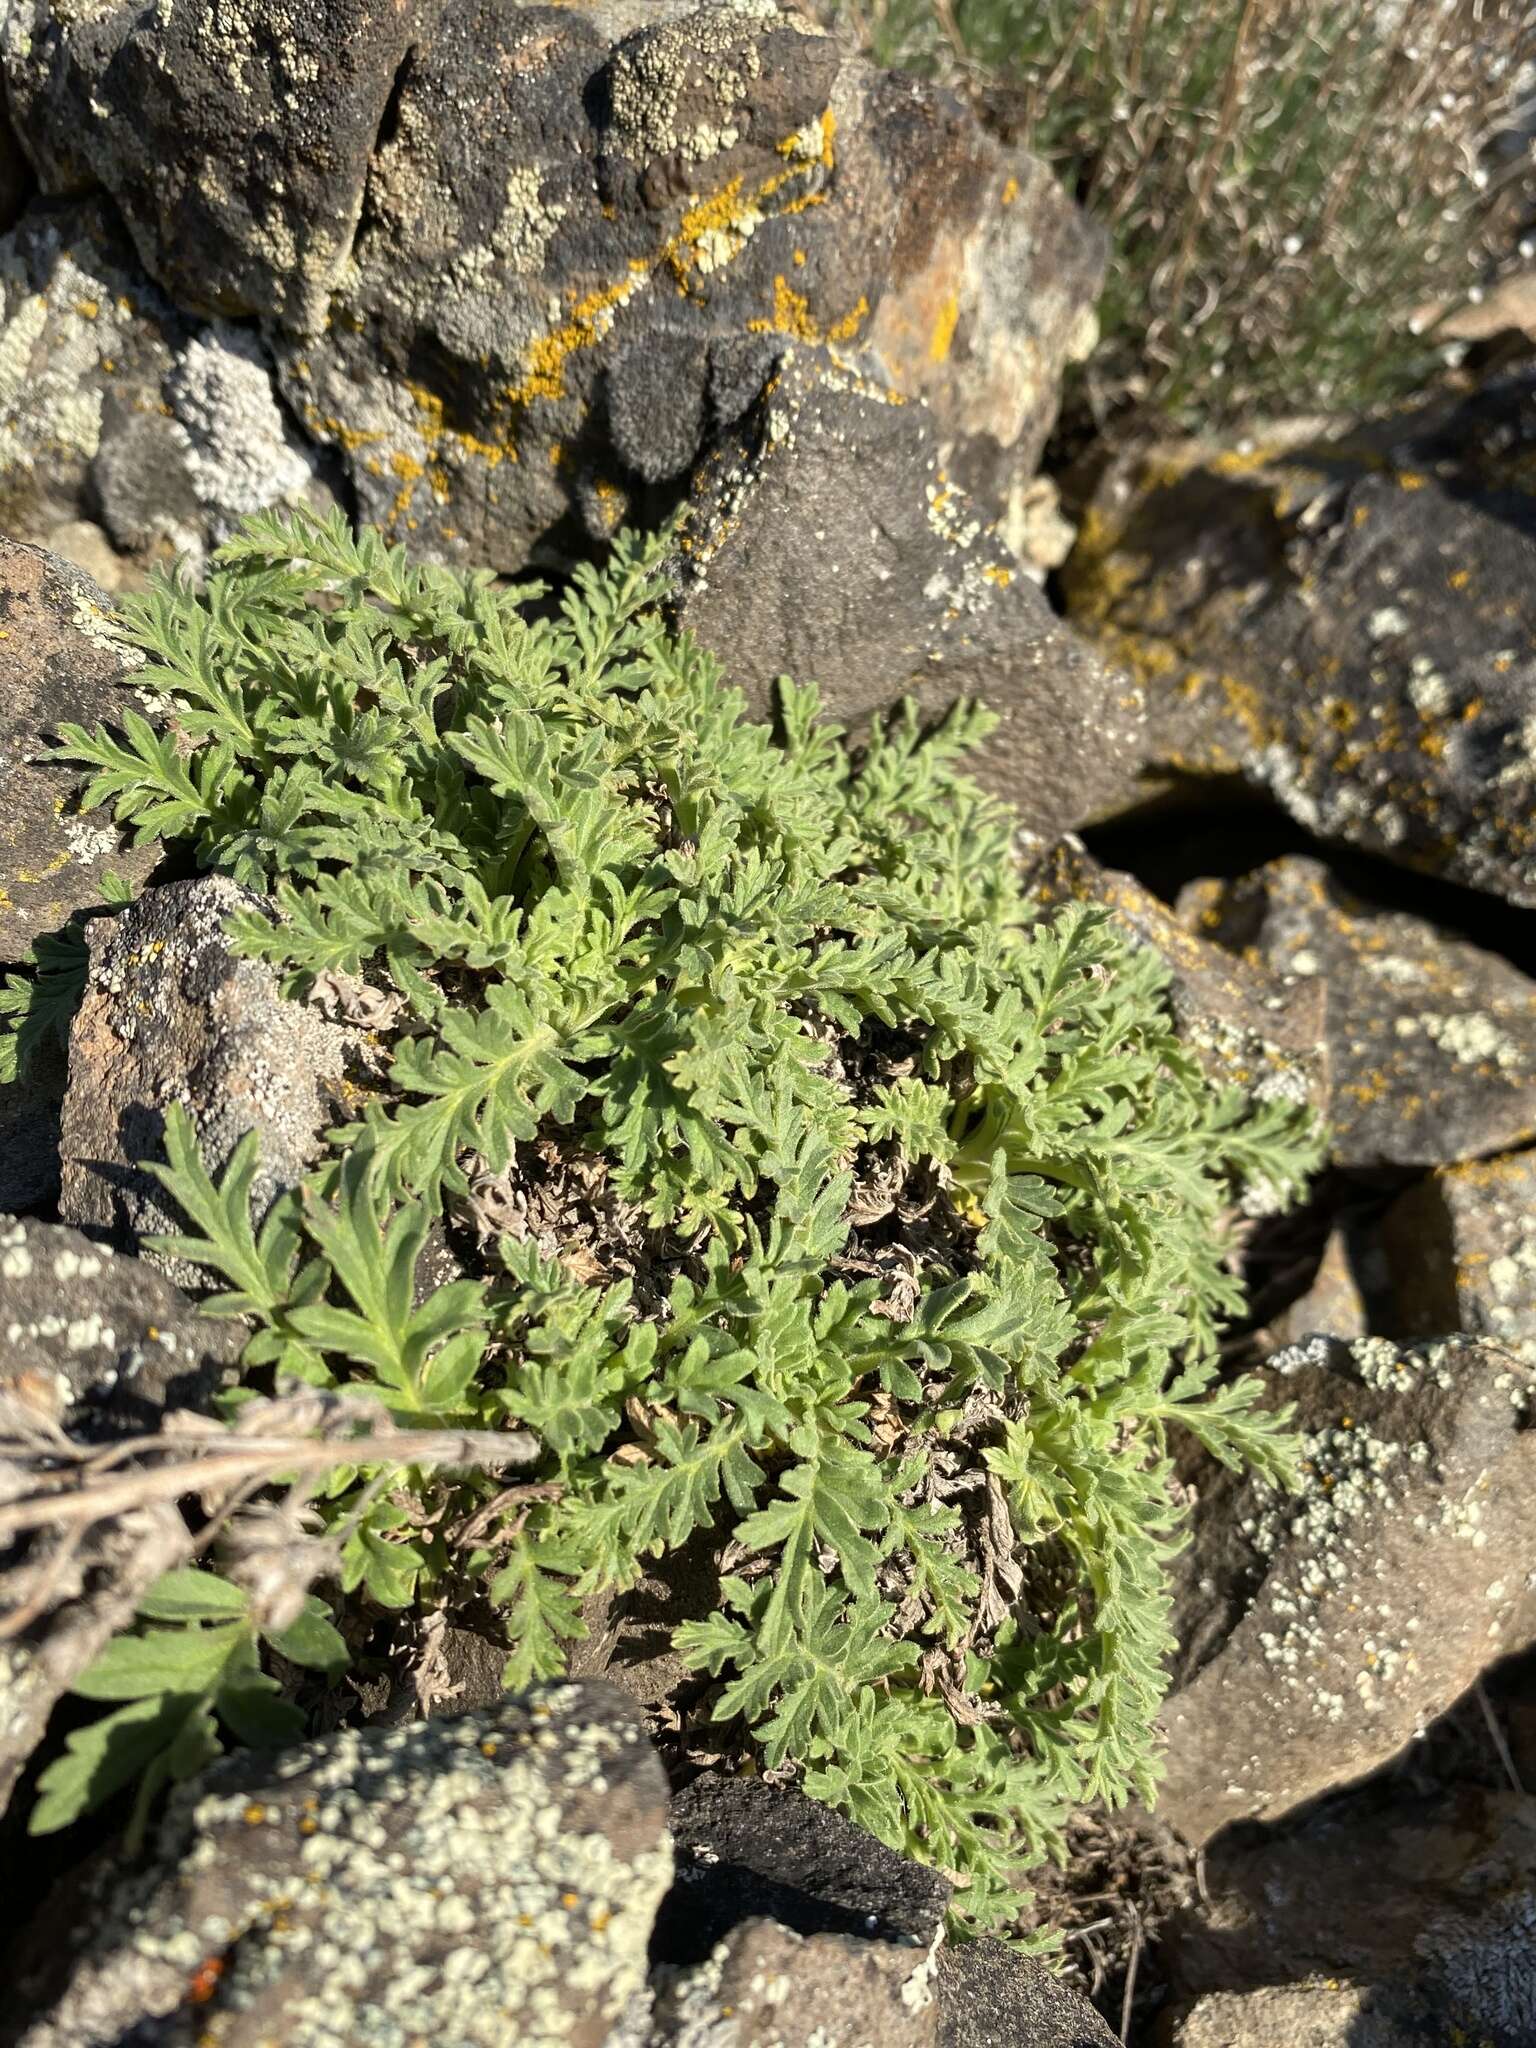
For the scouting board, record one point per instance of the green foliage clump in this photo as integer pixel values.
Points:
(821, 1203)
(193, 1669)
(1290, 186)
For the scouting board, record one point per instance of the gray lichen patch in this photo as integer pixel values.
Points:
(485, 1882)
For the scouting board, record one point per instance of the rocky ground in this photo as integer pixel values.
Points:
(501, 279)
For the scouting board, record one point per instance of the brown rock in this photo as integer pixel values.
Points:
(1346, 621)
(1318, 1632)
(1461, 1254)
(765, 1987)
(828, 545)
(172, 1014)
(488, 1880)
(1333, 1302)
(1376, 1924)
(57, 664)
(1249, 1027)
(1431, 1041)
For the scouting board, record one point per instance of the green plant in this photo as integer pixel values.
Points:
(194, 1667)
(819, 1198)
(1291, 185)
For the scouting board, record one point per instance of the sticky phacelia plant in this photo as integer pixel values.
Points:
(820, 1204)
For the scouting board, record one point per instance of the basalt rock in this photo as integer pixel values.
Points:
(116, 407)
(236, 141)
(826, 541)
(1376, 1923)
(172, 1014)
(1347, 623)
(1318, 1632)
(1460, 1252)
(486, 1880)
(57, 664)
(589, 233)
(1431, 1040)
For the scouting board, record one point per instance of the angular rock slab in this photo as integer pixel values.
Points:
(172, 1014)
(487, 1881)
(767, 1987)
(1350, 624)
(826, 543)
(1318, 1632)
(1461, 1253)
(1249, 1027)
(992, 1997)
(589, 233)
(235, 140)
(748, 1851)
(1378, 1923)
(58, 664)
(1431, 1041)
(99, 1343)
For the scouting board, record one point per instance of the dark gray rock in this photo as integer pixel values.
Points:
(748, 1850)
(101, 1344)
(172, 1014)
(57, 664)
(123, 411)
(85, 344)
(1378, 1922)
(590, 231)
(482, 1880)
(236, 142)
(15, 171)
(989, 1997)
(825, 542)
(1431, 1041)
(1347, 622)
(1317, 1632)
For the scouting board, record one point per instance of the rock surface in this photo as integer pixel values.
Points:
(1248, 1026)
(1370, 1926)
(1461, 1253)
(826, 543)
(1431, 1041)
(98, 1343)
(57, 664)
(485, 1880)
(1348, 623)
(237, 142)
(989, 1997)
(171, 1013)
(748, 1850)
(116, 408)
(766, 1987)
(1318, 1632)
